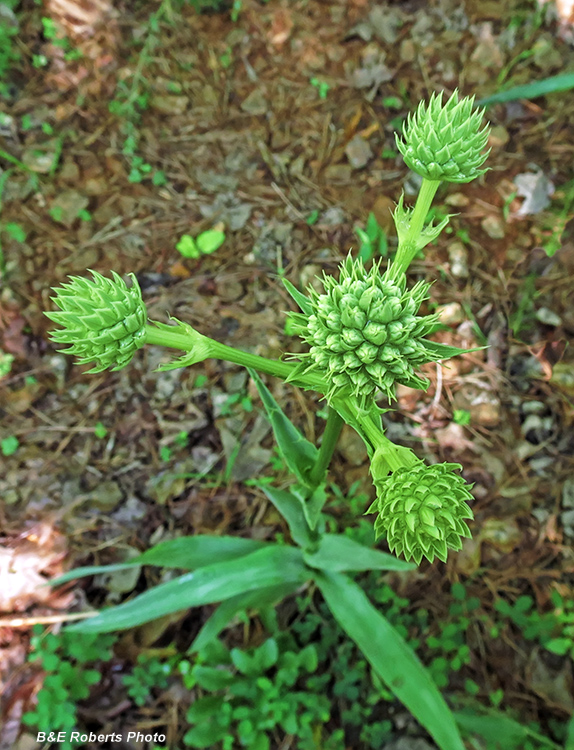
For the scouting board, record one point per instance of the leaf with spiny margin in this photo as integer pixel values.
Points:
(439, 351)
(299, 297)
(300, 455)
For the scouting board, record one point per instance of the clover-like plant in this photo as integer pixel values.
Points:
(365, 334)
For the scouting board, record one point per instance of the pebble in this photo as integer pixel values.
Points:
(493, 226)
(458, 257)
(451, 314)
(547, 317)
(567, 519)
(169, 105)
(568, 493)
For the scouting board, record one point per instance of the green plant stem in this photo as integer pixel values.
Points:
(205, 348)
(387, 455)
(330, 436)
(408, 248)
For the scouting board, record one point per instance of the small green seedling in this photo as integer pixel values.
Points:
(204, 244)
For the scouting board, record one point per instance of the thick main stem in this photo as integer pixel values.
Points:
(330, 436)
(203, 347)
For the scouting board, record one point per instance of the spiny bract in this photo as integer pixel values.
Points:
(445, 142)
(104, 320)
(364, 332)
(421, 511)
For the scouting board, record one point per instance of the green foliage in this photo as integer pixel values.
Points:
(373, 240)
(204, 244)
(9, 53)
(66, 659)
(248, 694)
(148, 673)
(9, 445)
(554, 630)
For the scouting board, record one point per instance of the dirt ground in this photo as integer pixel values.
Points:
(276, 123)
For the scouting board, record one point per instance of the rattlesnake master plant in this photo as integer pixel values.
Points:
(422, 510)
(445, 142)
(364, 332)
(104, 320)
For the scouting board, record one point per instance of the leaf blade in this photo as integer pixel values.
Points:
(390, 657)
(338, 553)
(270, 566)
(300, 455)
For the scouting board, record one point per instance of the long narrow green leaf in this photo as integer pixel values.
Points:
(228, 609)
(187, 552)
(272, 566)
(499, 731)
(338, 553)
(302, 300)
(290, 508)
(390, 657)
(191, 552)
(563, 82)
(300, 455)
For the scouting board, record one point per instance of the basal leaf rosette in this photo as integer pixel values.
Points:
(445, 142)
(422, 511)
(103, 319)
(364, 332)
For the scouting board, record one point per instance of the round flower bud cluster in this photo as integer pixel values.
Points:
(421, 511)
(104, 320)
(364, 332)
(445, 142)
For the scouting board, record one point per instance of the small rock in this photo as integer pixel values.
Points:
(458, 256)
(548, 317)
(39, 160)
(70, 172)
(493, 226)
(567, 520)
(486, 413)
(451, 314)
(255, 103)
(358, 152)
(332, 217)
(498, 136)
(568, 493)
(169, 105)
(457, 200)
(407, 51)
(105, 496)
(67, 205)
(533, 407)
(338, 173)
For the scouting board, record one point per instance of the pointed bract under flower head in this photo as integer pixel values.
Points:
(365, 334)
(103, 319)
(422, 510)
(445, 142)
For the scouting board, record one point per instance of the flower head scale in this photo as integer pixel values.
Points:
(445, 142)
(422, 510)
(364, 332)
(103, 319)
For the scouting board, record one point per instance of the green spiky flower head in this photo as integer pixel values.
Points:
(103, 319)
(445, 142)
(422, 510)
(364, 332)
